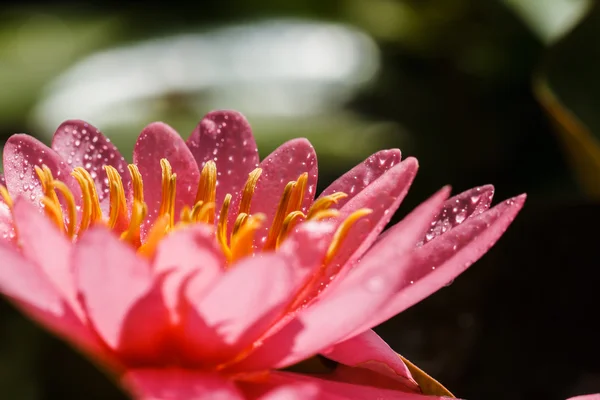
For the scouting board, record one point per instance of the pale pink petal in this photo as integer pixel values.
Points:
(438, 262)
(362, 175)
(459, 208)
(82, 145)
(240, 307)
(186, 251)
(7, 229)
(119, 294)
(175, 384)
(285, 164)
(21, 154)
(365, 291)
(383, 197)
(368, 352)
(27, 286)
(225, 137)
(46, 246)
(158, 141)
(586, 397)
(317, 388)
(2, 181)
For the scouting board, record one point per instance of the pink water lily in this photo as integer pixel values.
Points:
(197, 272)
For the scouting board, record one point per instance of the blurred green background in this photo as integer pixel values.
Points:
(503, 92)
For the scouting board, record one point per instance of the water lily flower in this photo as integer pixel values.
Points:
(199, 272)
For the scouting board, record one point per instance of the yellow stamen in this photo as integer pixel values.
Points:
(325, 214)
(342, 231)
(242, 241)
(71, 207)
(288, 224)
(169, 182)
(6, 196)
(82, 175)
(45, 176)
(280, 215)
(158, 231)
(203, 212)
(207, 186)
(138, 214)
(118, 204)
(239, 221)
(137, 183)
(295, 202)
(222, 227)
(185, 216)
(248, 191)
(54, 212)
(325, 203)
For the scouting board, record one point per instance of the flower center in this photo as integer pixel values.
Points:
(127, 221)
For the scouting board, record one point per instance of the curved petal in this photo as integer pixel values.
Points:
(186, 251)
(120, 295)
(586, 397)
(317, 388)
(459, 208)
(175, 384)
(27, 286)
(283, 165)
(362, 175)
(438, 262)
(225, 137)
(232, 315)
(83, 145)
(158, 141)
(52, 253)
(21, 154)
(383, 197)
(368, 352)
(365, 290)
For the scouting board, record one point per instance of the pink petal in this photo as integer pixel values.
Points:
(27, 286)
(361, 176)
(587, 397)
(383, 197)
(158, 141)
(21, 154)
(174, 384)
(226, 138)
(2, 181)
(438, 262)
(322, 389)
(7, 229)
(120, 294)
(283, 165)
(82, 145)
(364, 291)
(43, 244)
(186, 251)
(367, 351)
(459, 208)
(240, 307)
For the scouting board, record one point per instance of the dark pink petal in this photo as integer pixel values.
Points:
(240, 307)
(176, 384)
(83, 145)
(283, 165)
(27, 286)
(317, 388)
(364, 291)
(437, 263)
(225, 137)
(362, 175)
(158, 141)
(43, 244)
(21, 154)
(119, 294)
(368, 353)
(187, 251)
(459, 208)
(383, 197)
